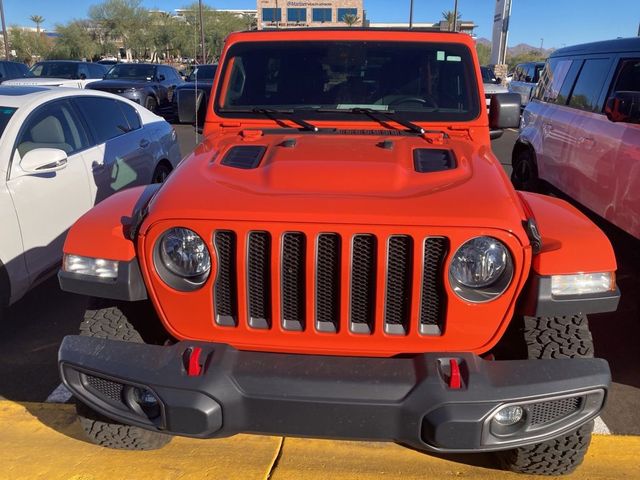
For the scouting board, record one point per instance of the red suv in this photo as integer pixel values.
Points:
(343, 256)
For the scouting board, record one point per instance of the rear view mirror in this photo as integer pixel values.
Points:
(623, 107)
(43, 160)
(504, 111)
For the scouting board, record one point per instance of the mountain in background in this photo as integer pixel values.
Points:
(520, 49)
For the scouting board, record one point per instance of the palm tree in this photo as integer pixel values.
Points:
(351, 19)
(37, 19)
(449, 16)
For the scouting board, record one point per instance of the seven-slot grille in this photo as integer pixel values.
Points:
(363, 277)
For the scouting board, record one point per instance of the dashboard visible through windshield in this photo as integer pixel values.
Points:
(418, 80)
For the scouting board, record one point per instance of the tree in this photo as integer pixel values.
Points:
(75, 40)
(29, 46)
(449, 17)
(351, 19)
(484, 53)
(123, 21)
(38, 20)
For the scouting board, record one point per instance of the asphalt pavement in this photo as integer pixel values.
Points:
(33, 328)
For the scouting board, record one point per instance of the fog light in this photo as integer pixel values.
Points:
(148, 402)
(582, 284)
(508, 416)
(96, 267)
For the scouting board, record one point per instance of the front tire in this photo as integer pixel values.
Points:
(161, 173)
(114, 321)
(524, 175)
(151, 104)
(552, 337)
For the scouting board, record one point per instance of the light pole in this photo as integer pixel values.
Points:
(4, 32)
(411, 14)
(204, 52)
(455, 16)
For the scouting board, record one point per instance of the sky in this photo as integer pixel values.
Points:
(552, 23)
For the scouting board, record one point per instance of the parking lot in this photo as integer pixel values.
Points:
(34, 327)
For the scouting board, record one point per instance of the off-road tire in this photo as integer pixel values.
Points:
(548, 338)
(108, 319)
(161, 173)
(151, 104)
(524, 174)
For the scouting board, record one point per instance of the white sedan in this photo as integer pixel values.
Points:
(61, 73)
(63, 150)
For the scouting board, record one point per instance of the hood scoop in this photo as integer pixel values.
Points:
(429, 160)
(245, 157)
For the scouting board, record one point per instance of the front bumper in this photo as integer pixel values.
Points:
(409, 400)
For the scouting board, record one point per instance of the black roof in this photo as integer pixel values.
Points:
(618, 45)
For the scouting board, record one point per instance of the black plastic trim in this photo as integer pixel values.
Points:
(128, 286)
(404, 399)
(537, 300)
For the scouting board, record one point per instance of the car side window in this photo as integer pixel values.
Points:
(628, 77)
(96, 71)
(131, 114)
(556, 80)
(53, 125)
(586, 92)
(3, 71)
(83, 71)
(104, 117)
(528, 73)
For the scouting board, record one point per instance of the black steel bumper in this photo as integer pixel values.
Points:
(409, 400)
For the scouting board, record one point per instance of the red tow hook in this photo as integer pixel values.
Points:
(455, 381)
(193, 366)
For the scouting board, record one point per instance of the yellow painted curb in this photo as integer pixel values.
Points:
(44, 441)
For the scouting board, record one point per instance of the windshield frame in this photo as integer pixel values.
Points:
(476, 104)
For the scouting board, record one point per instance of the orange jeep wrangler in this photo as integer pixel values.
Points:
(343, 256)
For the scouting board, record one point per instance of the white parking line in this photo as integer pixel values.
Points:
(60, 395)
(600, 427)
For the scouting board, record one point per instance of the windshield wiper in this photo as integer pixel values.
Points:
(376, 115)
(272, 113)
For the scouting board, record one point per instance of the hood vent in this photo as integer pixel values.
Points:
(428, 160)
(244, 156)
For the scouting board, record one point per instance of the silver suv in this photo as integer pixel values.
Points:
(525, 78)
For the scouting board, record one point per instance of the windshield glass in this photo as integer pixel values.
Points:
(487, 75)
(131, 71)
(202, 72)
(54, 70)
(428, 81)
(5, 115)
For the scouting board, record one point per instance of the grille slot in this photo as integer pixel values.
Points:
(293, 284)
(328, 282)
(398, 285)
(259, 279)
(109, 389)
(225, 291)
(363, 283)
(432, 297)
(546, 412)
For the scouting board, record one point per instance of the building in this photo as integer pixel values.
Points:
(183, 13)
(310, 13)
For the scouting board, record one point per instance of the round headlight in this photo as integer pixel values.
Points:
(481, 269)
(182, 259)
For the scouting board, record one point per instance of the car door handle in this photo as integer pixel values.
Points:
(547, 128)
(144, 143)
(587, 142)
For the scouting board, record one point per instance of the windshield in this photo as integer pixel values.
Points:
(5, 115)
(487, 75)
(202, 72)
(54, 70)
(131, 71)
(428, 81)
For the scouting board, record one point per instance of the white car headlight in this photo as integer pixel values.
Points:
(582, 284)
(96, 267)
(481, 269)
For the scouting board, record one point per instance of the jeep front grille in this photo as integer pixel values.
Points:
(371, 286)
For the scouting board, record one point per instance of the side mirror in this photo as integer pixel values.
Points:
(504, 111)
(189, 102)
(623, 107)
(83, 76)
(43, 160)
(161, 78)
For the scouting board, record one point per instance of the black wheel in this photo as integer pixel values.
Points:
(151, 104)
(552, 337)
(106, 319)
(161, 173)
(524, 175)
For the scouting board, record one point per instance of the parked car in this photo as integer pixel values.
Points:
(61, 152)
(491, 84)
(581, 131)
(11, 70)
(147, 84)
(334, 259)
(191, 98)
(525, 78)
(61, 73)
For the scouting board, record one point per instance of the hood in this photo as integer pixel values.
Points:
(124, 84)
(45, 82)
(344, 178)
(491, 88)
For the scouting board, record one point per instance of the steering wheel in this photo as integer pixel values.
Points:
(422, 101)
